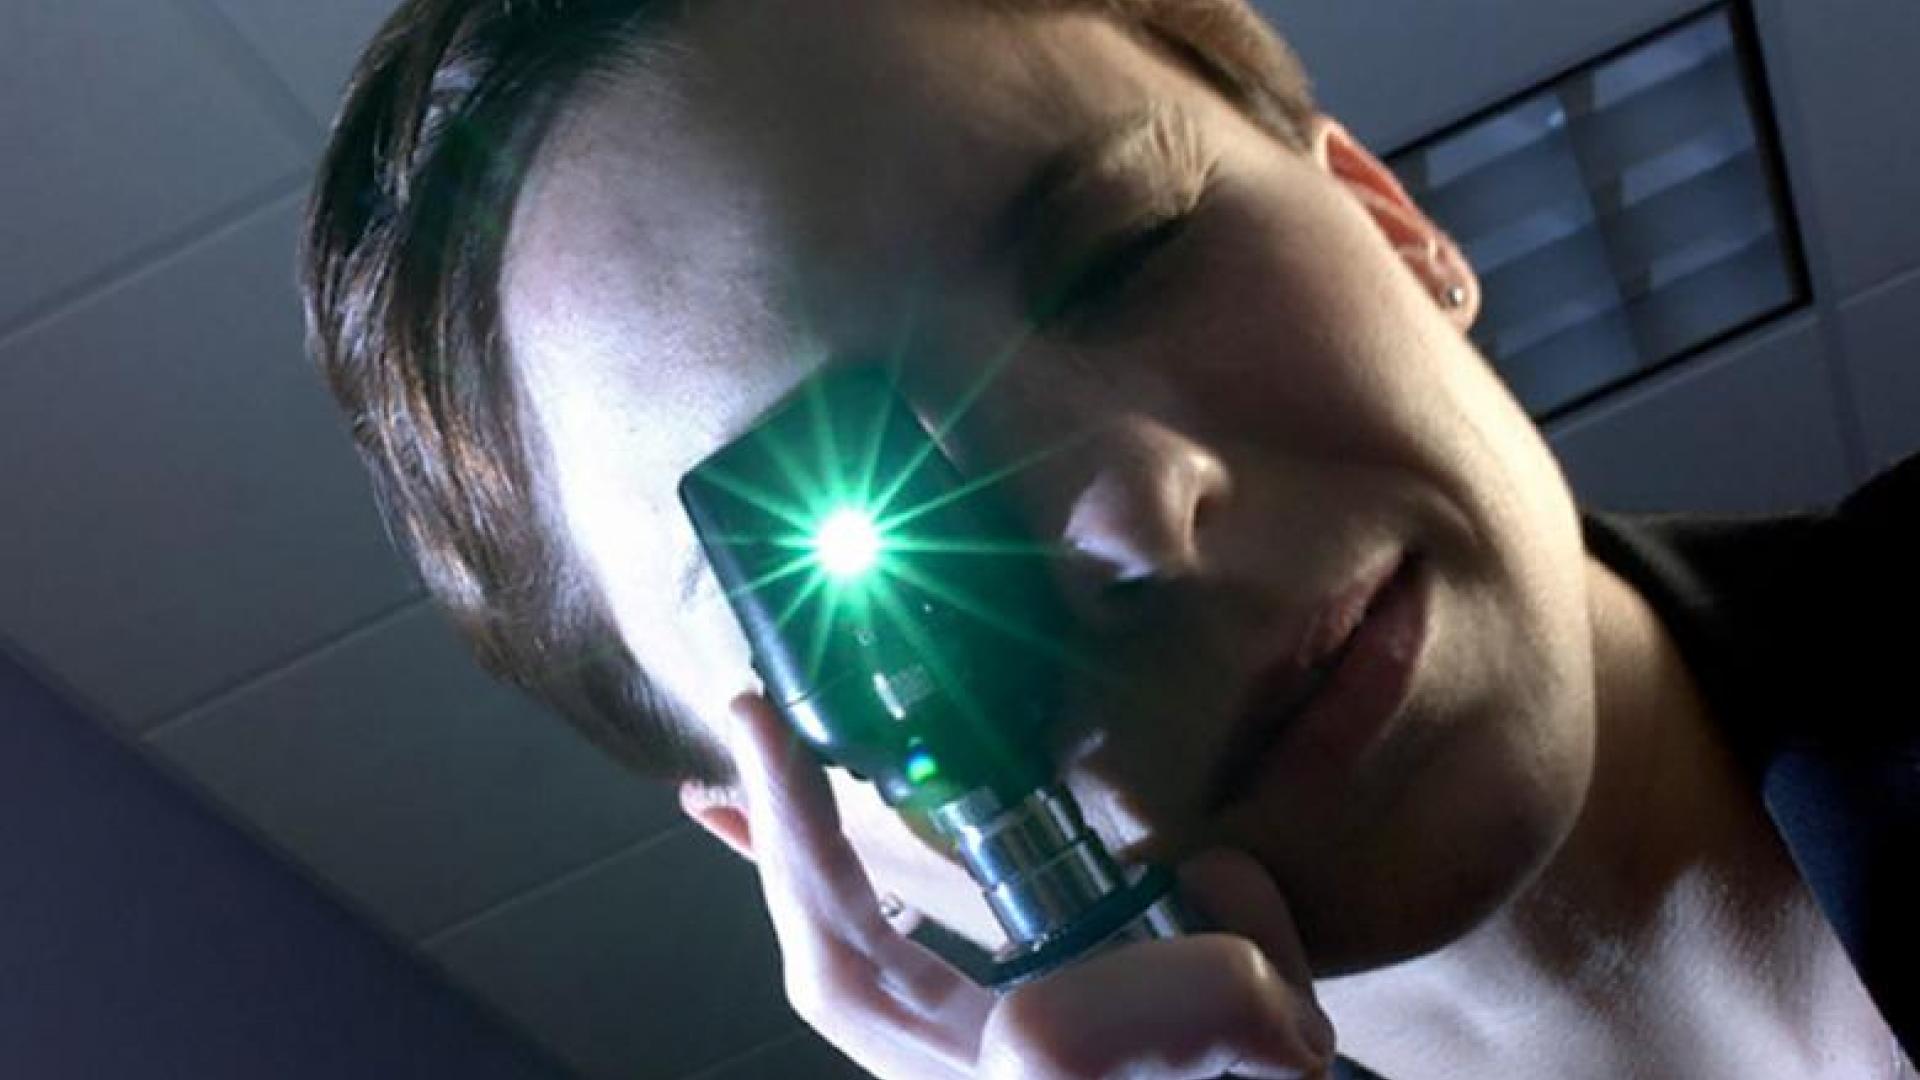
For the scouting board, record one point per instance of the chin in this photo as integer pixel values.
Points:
(1480, 823)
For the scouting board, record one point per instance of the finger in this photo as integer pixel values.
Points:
(1196, 1006)
(794, 827)
(1236, 894)
(1232, 890)
(806, 860)
(876, 994)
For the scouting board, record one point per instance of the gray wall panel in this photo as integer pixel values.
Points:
(1405, 67)
(1845, 76)
(1750, 430)
(1881, 330)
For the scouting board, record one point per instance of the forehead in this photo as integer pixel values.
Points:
(889, 131)
(790, 168)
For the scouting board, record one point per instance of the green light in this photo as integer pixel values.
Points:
(921, 767)
(847, 544)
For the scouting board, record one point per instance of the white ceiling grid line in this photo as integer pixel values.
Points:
(125, 268)
(121, 126)
(270, 88)
(171, 726)
(197, 515)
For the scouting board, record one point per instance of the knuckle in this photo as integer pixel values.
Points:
(1253, 997)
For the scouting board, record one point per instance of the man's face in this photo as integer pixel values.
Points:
(1250, 399)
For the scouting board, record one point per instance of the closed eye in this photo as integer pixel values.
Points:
(1101, 212)
(1103, 278)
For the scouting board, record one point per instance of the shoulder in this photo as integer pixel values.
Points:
(1881, 520)
(1845, 787)
(1870, 567)
(1801, 626)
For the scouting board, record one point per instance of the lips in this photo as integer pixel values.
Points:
(1285, 690)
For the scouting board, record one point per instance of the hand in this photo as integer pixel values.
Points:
(1239, 1001)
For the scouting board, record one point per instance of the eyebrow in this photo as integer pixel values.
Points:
(1049, 187)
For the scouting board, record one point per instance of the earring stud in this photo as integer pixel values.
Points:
(1455, 296)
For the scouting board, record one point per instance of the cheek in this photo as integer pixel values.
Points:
(1299, 325)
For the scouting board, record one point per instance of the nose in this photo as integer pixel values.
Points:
(1140, 517)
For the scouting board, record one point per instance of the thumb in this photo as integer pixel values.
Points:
(1236, 894)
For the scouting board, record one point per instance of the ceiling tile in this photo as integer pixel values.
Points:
(1847, 113)
(123, 130)
(1750, 430)
(144, 940)
(1408, 67)
(655, 965)
(399, 772)
(184, 508)
(1883, 357)
(801, 1056)
(312, 46)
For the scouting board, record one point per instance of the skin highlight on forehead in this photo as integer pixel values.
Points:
(884, 186)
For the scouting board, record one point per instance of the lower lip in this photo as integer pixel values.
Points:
(1364, 694)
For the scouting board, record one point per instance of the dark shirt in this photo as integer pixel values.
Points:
(1803, 633)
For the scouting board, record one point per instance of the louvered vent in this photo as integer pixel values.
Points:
(1622, 218)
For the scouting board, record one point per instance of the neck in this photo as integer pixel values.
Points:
(1671, 926)
(1673, 848)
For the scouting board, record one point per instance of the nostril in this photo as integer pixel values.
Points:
(1200, 520)
(1097, 587)
(1102, 591)
(1134, 527)
(1131, 587)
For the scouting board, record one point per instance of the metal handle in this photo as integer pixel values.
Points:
(1051, 883)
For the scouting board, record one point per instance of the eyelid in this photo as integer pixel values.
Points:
(1076, 282)
(1165, 148)
(1158, 173)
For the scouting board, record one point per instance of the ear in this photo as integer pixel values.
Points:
(720, 812)
(1432, 256)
